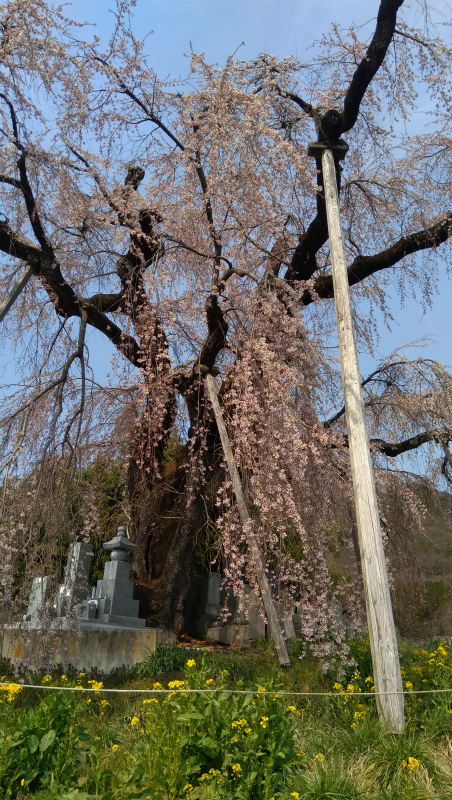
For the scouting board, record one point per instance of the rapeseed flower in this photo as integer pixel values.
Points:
(115, 748)
(135, 721)
(411, 764)
(191, 663)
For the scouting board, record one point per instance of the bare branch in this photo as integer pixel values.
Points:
(370, 64)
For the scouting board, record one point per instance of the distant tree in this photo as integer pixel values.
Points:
(185, 222)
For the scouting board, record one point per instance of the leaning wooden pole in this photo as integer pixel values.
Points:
(383, 642)
(253, 547)
(15, 292)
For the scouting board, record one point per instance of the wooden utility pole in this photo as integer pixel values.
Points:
(248, 527)
(15, 292)
(383, 642)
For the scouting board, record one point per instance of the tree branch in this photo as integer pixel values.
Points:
(393, 449)
(370, 64)
(365, 266)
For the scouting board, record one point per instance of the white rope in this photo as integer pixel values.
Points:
(226, 691)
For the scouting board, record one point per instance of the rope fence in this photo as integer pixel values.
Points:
(226, 691)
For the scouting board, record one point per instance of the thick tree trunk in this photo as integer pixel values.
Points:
(168, 510)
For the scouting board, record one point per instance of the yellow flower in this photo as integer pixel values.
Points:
(291, 708)
(152, 700)
(64, 678)
(89, 700)
(176, 684)
(320, 757)
(409, 685)
(188, 787)
(209, 681)
(47, 679)
(157, 686)
(115, 748)
(413, 763)
(135, 721)
(104, 703)
(353, 725)
(337, 686)
(350, 687)
(248, 730)
(22, 783)
(300, 754)
(191, 663)
(369, 680)
(264, 721)
(295, 794)
(234, 740)
(12, 690)
(236, 768)
(261, 689)
(81, 674)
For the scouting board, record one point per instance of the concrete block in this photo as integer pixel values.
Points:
(230, 634)
(104, 649)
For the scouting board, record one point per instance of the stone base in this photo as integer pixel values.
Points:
(231, 634)
(97, 646)
(116, 619)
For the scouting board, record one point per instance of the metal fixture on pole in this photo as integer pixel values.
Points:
(248, 527)
(383, 642)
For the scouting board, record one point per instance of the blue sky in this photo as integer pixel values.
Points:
(281, 27)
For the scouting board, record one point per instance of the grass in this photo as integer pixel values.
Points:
(300, 748)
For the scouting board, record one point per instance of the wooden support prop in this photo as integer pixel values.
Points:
(253, 547)
(383, 642)
(15, 292)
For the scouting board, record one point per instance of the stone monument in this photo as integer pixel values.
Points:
(75, 583)
(38, 599)
(112, 602)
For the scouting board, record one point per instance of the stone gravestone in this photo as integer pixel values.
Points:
(112, 601)
(75, 583)
(37, 600)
